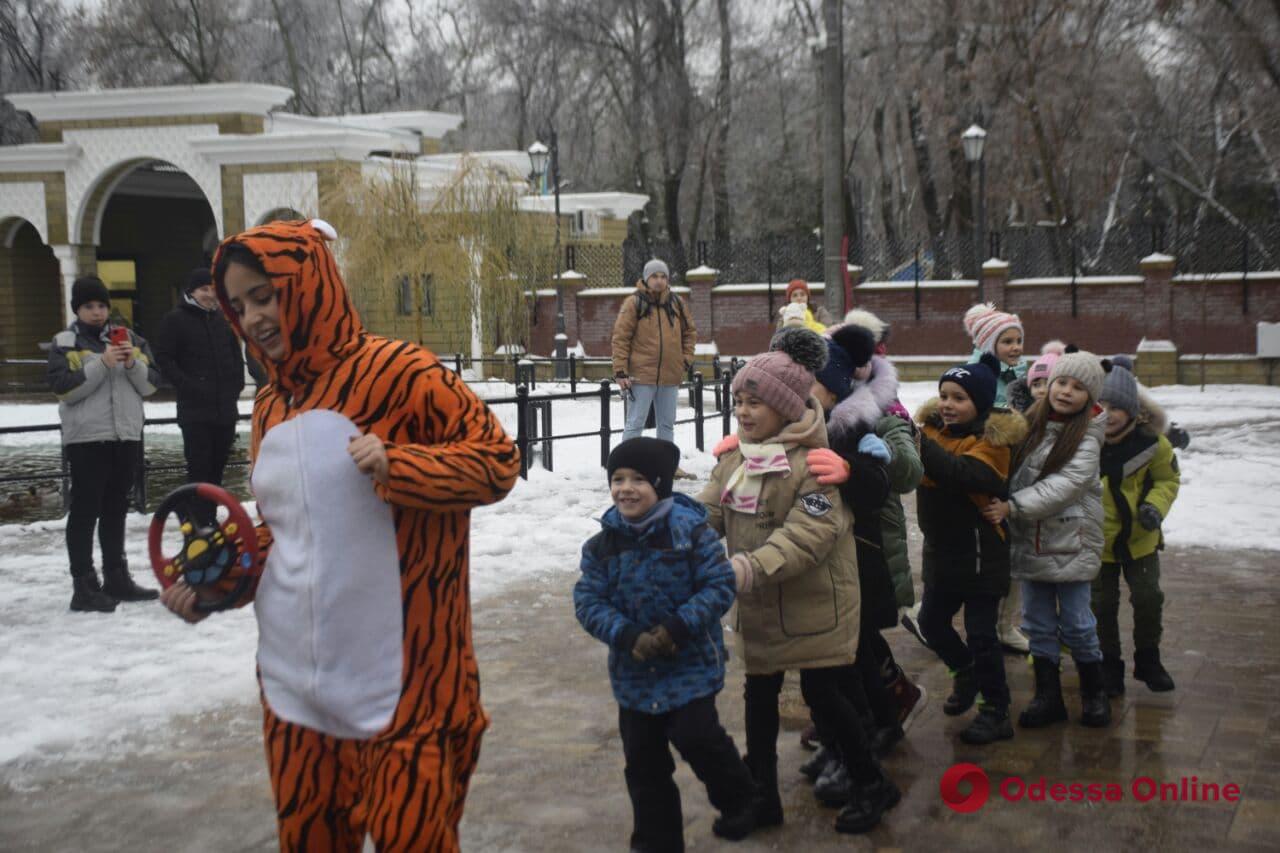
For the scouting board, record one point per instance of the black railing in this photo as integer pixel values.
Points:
(534, 423)
(140, 496)
(534, 419)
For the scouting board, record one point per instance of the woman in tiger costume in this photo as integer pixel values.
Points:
(371, 695)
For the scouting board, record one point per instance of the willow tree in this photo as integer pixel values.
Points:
(453, 266)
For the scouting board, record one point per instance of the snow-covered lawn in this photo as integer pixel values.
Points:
(74, 684)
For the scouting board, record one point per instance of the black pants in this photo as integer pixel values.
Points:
(101, 476)
(829, 692)
(695, 731)
(874, 659)
(938, 607)
(206, 447)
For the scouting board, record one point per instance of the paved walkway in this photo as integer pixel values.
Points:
(550, 776)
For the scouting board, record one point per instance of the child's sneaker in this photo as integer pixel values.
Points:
(909, 697)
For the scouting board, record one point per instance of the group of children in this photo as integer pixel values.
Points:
(1055, 474)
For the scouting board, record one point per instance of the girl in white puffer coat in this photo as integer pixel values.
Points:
(1055, 522)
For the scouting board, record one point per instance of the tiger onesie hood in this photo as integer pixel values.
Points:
(371, 696)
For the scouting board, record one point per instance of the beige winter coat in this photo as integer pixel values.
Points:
(802, 610)
(653, 338)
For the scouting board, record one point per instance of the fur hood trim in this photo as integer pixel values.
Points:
(1003, 429)
(861, 410)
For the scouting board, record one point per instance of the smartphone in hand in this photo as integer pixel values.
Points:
(119, 335)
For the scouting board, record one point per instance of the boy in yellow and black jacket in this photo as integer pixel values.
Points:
(1139, 484)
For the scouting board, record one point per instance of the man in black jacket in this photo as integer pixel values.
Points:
(200, 356)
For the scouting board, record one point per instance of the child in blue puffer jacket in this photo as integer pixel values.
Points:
(655, 584)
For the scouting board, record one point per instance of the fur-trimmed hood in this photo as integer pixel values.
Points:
(1002, 429)
(1152, 414)
(862, 409)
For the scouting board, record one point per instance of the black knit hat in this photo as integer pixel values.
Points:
(198, 277)
(848, 348)
(89, 288)
(654, 458)
(977, 379)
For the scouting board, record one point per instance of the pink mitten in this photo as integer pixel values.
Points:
(728, 443)
(828, 466)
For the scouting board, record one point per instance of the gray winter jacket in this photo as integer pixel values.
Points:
(1056, 522)
(96, 402)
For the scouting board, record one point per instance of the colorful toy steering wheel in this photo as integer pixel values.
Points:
(210, 552)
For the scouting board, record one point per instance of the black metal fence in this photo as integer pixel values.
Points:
(535, 425)
(1032, 251)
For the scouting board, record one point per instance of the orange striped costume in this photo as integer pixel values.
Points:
(404, 786)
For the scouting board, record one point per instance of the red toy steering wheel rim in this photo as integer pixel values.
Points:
(238, 532)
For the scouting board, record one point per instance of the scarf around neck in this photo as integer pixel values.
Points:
(742, 490)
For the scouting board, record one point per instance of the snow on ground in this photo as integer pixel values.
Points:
(80, 684)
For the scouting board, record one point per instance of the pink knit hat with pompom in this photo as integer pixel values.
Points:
(1043, 367)
(985, 324)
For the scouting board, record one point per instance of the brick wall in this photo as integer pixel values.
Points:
(1111, 314)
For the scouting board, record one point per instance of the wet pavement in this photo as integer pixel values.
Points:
(550, 774)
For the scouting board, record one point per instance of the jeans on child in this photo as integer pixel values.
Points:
(1053, 610)
(663, 399)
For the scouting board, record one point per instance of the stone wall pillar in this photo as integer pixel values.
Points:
(701, 280)
(1157, 362)
(73, 262)
(1157, 297)
(572, 283)
(995, 282)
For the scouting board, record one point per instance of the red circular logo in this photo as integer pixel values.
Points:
(979, 788)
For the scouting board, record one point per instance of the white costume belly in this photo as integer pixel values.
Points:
(329, 614)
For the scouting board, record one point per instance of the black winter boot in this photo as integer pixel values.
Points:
(768, 804)
(815, 767)
(1113, 676)
(118, 584)
(963, 691)
(834, 788)
(737, 826)
(867, 804)
(88, 597)
(991, 724)
(1147, 667)
(1095, 708)
(1047, 706)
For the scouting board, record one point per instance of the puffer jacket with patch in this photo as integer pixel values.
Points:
(803, 609)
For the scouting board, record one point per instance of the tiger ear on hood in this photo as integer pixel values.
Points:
(324, 229)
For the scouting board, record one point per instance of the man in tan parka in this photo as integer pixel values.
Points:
(653, 340)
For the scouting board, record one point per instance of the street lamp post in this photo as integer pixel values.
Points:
(538, 159)
(974, 140)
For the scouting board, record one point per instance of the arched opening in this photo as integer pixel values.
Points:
(279, 213)
(153, 224)
(30, 303)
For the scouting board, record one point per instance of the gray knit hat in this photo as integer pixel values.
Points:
(654, 266)
(1084, 367)
(1120, 391)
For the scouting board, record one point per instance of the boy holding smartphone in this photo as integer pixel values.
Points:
(100, 373)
